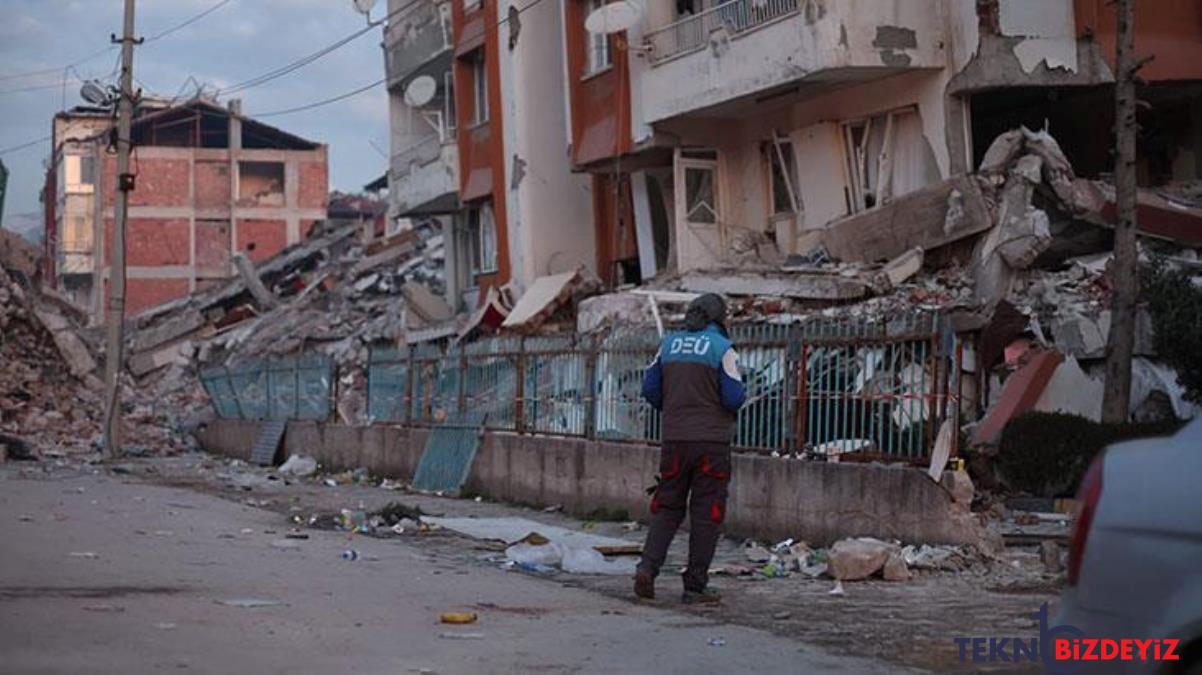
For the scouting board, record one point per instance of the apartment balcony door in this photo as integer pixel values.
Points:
(701, 230)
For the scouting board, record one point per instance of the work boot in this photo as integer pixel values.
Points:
(644, 585)
(706, 596)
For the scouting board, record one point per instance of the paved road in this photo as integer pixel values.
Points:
(164, 559)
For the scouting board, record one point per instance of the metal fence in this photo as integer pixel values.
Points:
(825, 388)
(294, 387)
(734, 17)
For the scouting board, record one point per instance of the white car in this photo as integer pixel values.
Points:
(1134, 595)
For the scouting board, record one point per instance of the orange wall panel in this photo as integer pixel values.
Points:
(260, 239)
(153, 242)
(1170, 30)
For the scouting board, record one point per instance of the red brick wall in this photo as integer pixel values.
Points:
(268, 236)
(143, 293)
(314, 185)
(161, 182)
(213, 245)
(212, 185)
(157, 241)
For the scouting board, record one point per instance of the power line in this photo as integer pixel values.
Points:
(27, 144)
(362, 89)
(327, 101)
(310, 58)
(189, 22)
(100, 52)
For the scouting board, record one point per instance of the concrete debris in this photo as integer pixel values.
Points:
(895, 568)
(853, 559)
(1071, 390)
(933, 216)
(246, 270)
(1049, 554)
(547, 295)
(898, 270)
(1019, 394)
(807, 286)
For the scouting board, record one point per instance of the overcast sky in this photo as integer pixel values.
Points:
(238, 41)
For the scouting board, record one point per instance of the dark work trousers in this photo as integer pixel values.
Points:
(693, 475)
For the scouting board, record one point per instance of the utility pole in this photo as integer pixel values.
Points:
(1116, 397)
(125, 183)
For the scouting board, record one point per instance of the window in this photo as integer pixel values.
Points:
(599, 57)
(482, 238)
(469, 5)
(261, 183)
(784, 178)
(887, 155)
(448, 103)
(87, 170)
(479, 88)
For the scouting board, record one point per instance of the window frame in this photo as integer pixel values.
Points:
(482, 240)
(480, 111)
(773, 161)
(596, 44)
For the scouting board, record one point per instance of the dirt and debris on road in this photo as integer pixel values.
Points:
(951, 590)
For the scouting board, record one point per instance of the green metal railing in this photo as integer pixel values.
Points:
(871, 388)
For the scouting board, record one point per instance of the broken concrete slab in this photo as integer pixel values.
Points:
(186, 322)
(1001, 152)
(147, 362)
(917, 219)
(254, 285)
(543, 297)
(423, 303)
(1019, 394)
(70, 346)
(806, 286)
(898, 270)
(1071, 390)
(852, 559)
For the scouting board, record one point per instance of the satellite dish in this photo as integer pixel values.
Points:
(93, 93)
(614, 17)
(420, 91)
(364, 6)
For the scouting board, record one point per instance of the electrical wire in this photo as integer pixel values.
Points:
(189, 22)
(27, 144)
(314, 56)
(364, 88)
(327, 101)
(105, 50)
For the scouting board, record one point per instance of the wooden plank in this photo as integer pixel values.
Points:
(915, 219)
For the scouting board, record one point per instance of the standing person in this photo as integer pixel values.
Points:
(694, 380)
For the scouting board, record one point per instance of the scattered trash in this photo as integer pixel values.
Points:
(350, 554)
(165, 626)
(479, 499)
(837, 590)
(25, 518)
(782, 616)
(461, 636)
(248, 603)
(299, 466)
(89, 555)
(756, 553)
(716, 642)
(296, 535)
(330, 482)
(632, 526)
(247, 530)
(457, 617)
(285, 544)
(103, 608)
(553, 509)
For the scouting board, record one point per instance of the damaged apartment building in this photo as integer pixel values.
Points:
(709, 134)
(210, 183)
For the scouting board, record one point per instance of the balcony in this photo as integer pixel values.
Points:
(424, 178)
(419, 43)
(741, 50)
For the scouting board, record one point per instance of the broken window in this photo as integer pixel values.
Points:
(479, 88)
(448, 103)
(482, 238)
(261, 183)
(599, 57)
(783, 185)
(887, 155)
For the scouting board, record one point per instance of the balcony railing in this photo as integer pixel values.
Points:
(734, 18)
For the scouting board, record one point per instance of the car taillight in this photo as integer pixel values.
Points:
(1087, 505)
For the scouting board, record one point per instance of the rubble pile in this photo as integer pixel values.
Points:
(330, 294)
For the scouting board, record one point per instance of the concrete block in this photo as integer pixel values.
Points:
(853, 559)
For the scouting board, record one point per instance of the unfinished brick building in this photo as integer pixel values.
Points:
(210, 183)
